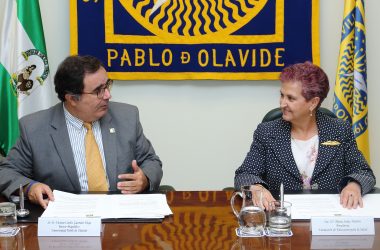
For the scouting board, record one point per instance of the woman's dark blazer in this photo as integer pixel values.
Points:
(270, 160)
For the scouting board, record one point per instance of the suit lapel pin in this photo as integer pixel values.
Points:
(330, 143)
(112, 130)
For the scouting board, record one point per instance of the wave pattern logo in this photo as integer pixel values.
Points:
(196, 39)
(350, 96)
(351, 75)
(190, 18)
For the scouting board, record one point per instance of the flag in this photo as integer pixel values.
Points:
(350, 96)
(24, 69)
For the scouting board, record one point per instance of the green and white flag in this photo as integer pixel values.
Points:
(24, 69)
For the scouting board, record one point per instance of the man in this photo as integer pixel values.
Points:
(85, 143)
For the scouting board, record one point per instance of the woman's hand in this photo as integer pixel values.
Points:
(351, 197)
(267, 196)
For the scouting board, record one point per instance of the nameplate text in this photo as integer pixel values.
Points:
(342, 225)
(49, 226)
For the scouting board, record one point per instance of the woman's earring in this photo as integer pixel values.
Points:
(311, 112)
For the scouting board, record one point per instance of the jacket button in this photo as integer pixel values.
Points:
(314, 186)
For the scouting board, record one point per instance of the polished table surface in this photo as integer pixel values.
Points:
(200, 220)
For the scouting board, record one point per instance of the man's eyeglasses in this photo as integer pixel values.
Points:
(99, 91)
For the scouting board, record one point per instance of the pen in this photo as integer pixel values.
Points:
(21, 195)
(22, 212)
(282, 195)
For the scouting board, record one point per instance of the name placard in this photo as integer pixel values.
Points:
(342, 225)
(69, 226)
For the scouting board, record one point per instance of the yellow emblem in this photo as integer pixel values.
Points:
(330, 143)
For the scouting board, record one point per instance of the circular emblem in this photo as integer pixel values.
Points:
(33, 67)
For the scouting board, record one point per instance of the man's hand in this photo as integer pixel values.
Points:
(351, 197)
(36, 193)
(267, 196)
(133, 183)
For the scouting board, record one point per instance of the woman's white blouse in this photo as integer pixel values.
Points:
(305, 155)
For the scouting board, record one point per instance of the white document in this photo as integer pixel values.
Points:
(135, 206)
(72, 205)
(107, 206)
(304, 206)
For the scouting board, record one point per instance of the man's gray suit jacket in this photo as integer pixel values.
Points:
(43, 151)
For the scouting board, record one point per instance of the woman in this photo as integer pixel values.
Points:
(306, 149)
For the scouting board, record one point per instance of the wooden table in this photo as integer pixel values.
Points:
(200, 220)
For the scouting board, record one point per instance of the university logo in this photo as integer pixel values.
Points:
(351, 101)
(196, 39)
(186, 21)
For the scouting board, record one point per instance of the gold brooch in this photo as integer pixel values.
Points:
(330, 143)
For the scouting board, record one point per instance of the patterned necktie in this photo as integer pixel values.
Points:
(96, 176)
